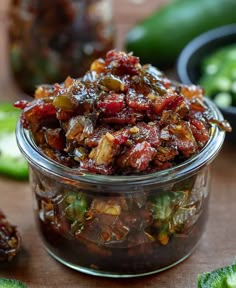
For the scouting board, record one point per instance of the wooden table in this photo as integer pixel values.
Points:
(217, 248)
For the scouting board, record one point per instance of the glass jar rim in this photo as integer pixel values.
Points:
(36, 158)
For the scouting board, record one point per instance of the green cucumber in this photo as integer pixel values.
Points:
(159, 38)
(12, 163)
(11, 283)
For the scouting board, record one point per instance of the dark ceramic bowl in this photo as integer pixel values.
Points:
(191, 57)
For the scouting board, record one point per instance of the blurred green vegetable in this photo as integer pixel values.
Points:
(12, 163)
(219, 76)
(221, 278)
(159, 38)
(11, 283)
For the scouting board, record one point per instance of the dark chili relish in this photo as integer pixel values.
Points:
(9, 239)
(119, 118)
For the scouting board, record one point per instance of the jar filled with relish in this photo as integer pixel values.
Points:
(49, 40)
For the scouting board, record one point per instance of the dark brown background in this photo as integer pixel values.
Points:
(37, 269)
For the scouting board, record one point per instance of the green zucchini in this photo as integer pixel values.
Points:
(159, 38)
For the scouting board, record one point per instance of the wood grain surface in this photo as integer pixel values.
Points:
(37, 269)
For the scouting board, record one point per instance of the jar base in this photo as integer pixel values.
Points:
(101, 273)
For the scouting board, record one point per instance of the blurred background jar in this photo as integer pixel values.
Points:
(50, 40)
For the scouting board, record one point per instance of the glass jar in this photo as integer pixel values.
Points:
(121, 226)
(50, 40)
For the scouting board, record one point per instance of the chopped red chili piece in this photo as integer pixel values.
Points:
(137, 157)
(111, 104)
(120, 63)
(137, 101)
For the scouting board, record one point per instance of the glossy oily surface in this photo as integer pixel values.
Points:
(120, 118)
